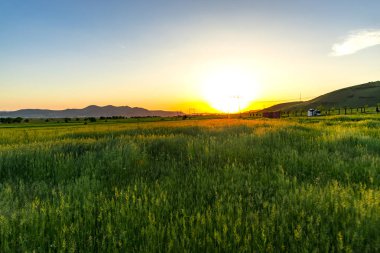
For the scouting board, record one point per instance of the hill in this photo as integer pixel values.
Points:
(89, 111)
(367, 94)
(279, 107)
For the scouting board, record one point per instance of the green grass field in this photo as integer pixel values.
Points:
(290, 185)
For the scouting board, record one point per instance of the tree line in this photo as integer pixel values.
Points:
(10, 120)
(324, 111)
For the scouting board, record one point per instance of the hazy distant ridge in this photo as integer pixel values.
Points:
(89, 111)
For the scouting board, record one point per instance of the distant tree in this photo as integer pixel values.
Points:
(17, 120)
(26, 120)
(67, 120)
(333, 109)
(321, 108)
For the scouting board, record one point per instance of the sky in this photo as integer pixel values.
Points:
(159, 54)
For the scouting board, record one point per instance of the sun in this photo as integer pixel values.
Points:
(229, 89)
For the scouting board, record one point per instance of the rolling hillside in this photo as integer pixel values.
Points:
(367, 94)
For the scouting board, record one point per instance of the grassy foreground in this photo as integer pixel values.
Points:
(298, 185)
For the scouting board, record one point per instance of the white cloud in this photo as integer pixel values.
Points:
(356, 41)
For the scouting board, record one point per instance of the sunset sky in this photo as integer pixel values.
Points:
(171, 55)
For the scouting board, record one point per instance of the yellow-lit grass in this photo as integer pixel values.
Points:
(226, 185)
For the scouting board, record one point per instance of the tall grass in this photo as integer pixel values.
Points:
(299, 185)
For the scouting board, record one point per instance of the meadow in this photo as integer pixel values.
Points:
(218, 185)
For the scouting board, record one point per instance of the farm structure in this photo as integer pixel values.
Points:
(313, 112)
(272, 114)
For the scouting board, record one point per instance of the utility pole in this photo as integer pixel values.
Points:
(238, 100)
(191, 111)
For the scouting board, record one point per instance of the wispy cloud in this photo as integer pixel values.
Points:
(356, 41)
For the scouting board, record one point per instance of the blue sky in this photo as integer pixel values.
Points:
(59, 54)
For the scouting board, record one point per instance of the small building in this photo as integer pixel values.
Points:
(272, 115)
(313, 112)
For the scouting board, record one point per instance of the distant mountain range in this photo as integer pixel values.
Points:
(89, 111)
(367, 94)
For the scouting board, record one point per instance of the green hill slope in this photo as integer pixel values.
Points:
(367, 94)
(280, 107)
